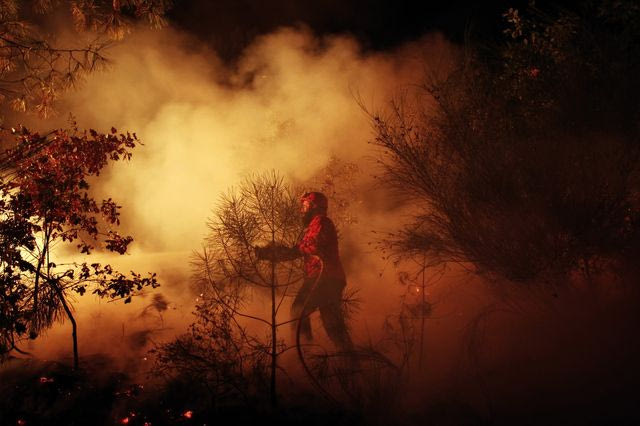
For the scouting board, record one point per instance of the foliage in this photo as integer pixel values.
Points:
(33, 70)
(263, 209)
(214, 357)
(44, 179)
(524, 160)
(44, 202)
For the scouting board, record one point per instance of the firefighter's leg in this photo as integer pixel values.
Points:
(334, 324)
(302, 309)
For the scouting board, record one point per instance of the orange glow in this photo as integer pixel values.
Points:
(290, 104)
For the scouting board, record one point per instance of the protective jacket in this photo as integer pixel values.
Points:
(319, 246)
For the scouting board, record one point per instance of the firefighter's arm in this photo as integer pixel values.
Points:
(277, 252)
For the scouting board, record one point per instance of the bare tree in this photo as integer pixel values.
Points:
(263, 210)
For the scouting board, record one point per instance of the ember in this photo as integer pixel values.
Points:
(133, 390)
(188, 414)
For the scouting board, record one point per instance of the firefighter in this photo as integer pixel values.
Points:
(324, 278)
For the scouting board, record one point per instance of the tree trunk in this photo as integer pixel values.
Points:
(44, 257)
(74, 326)
(36, 284)
(274, 398)
(274, 354)
(422, 311)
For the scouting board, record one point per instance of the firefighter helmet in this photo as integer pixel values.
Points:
(317, 200)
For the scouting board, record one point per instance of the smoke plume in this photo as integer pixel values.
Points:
(290, 103)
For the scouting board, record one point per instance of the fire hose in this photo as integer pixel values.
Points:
(314, 381)
(304, 313)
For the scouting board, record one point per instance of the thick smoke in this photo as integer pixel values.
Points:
(290, 103)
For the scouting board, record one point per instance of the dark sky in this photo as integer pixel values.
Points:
(230, 25)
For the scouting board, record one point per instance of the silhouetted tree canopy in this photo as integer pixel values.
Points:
(35, 67)
(44, 202)
(524, 159)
